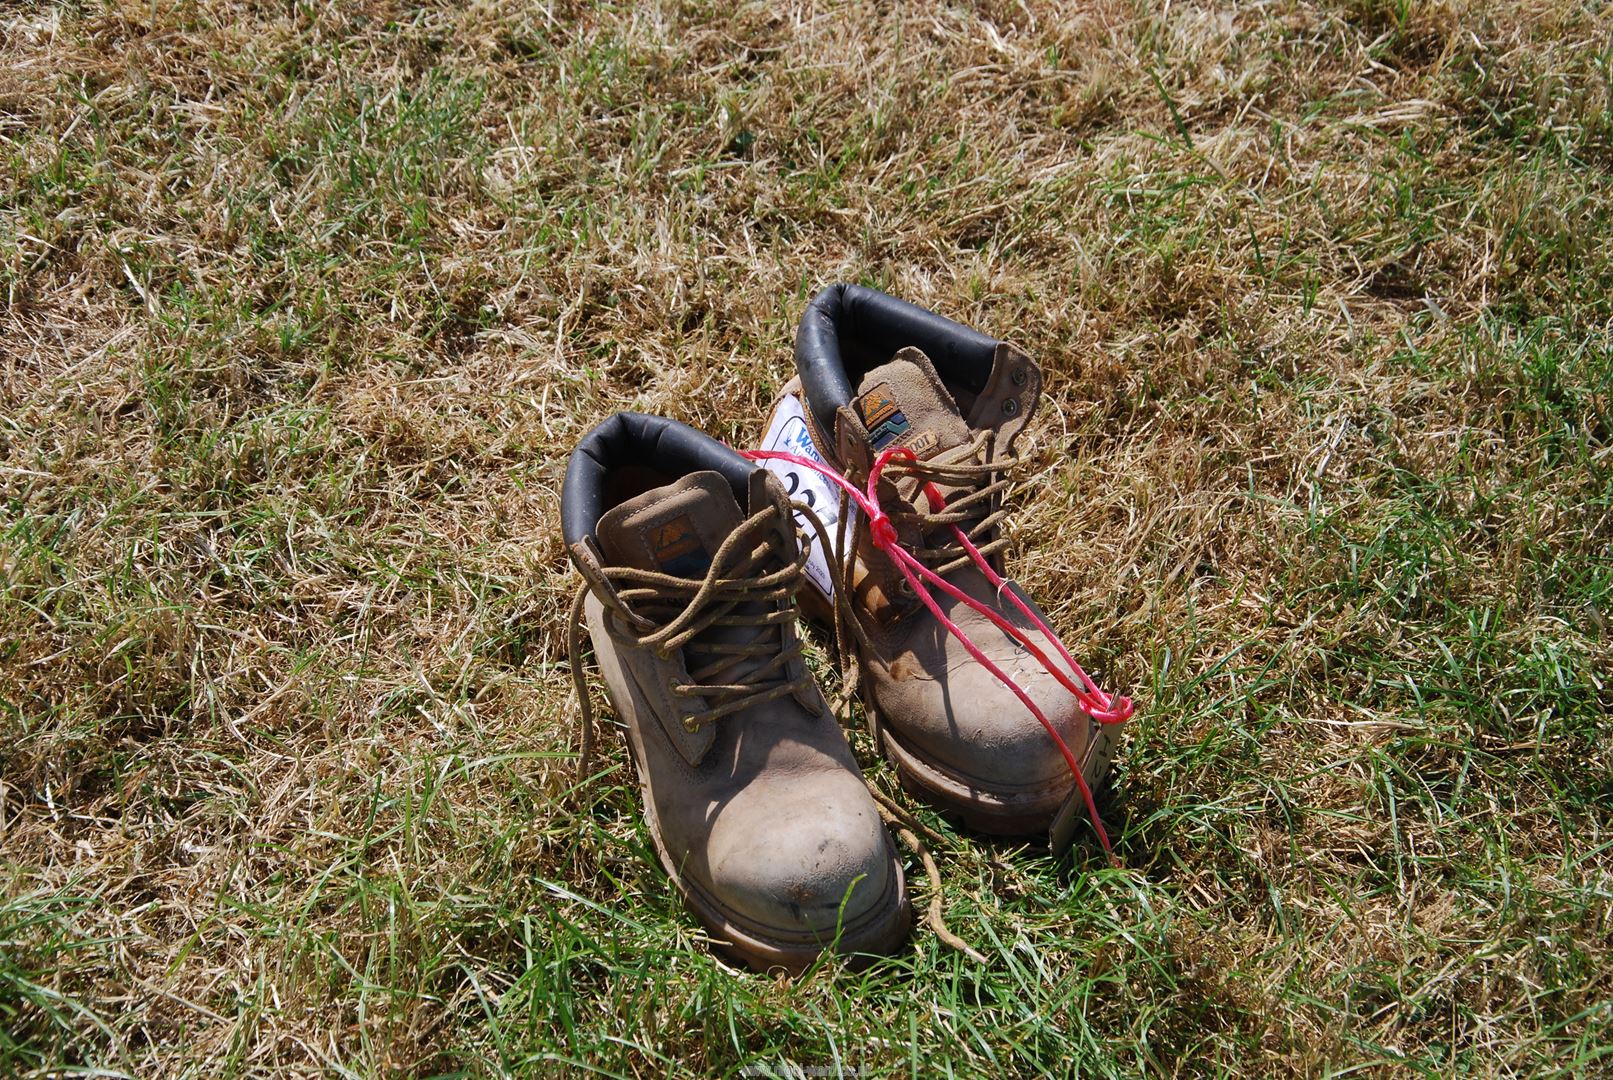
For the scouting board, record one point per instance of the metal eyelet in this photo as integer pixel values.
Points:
(1021, 376)
(691, 727)
(1011, 406)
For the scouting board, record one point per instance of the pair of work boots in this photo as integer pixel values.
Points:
(695, 565)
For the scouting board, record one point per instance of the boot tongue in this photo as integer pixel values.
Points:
(904, 403)
(674, 529)
(677, 530)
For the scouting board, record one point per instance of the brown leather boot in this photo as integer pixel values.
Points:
(877, 372)
(755, 803)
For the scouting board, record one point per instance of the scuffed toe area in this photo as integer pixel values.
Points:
(802, 865)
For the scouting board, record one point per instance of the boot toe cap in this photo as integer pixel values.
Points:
(803, 866)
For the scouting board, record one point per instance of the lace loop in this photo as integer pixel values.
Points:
(736, 591)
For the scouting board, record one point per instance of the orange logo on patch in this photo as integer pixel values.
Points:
(674, 539)
(877, 405)
(882, 417)
(677, 548)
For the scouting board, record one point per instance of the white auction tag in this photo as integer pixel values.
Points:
(787, 433)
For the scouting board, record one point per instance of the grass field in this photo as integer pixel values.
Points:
(306, 303)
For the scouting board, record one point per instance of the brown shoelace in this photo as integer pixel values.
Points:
(980, 479)
(735, 578)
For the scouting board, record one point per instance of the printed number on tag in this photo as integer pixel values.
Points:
(787, 433)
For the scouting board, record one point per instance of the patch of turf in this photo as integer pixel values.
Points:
(305, 304)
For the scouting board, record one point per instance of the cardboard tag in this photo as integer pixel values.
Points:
(1061, 834)
(787, 433)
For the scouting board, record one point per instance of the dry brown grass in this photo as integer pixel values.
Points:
(305, 304)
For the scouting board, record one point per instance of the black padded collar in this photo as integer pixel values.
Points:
(848, 329)
(636, 439)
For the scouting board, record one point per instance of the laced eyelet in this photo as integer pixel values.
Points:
(691, 727)
(883, 532)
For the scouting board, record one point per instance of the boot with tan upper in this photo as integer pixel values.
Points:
(877, 372)
(691, 564)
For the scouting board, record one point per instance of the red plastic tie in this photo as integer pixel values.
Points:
(1101, 707)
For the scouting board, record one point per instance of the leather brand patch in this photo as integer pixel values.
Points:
(922, 443)
(887, 423)
(883, 418)
(676, 547)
